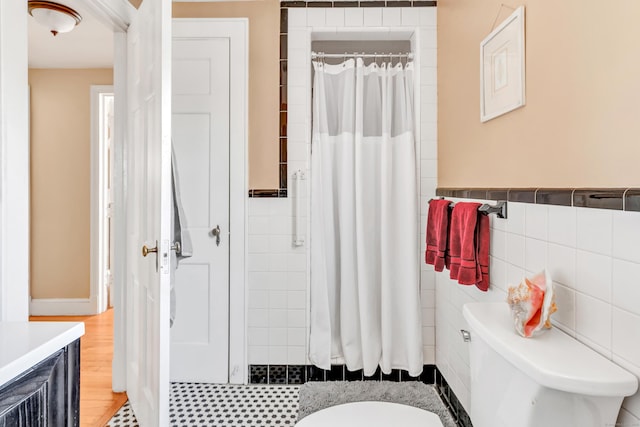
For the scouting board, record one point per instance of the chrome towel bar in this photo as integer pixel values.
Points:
(500, 208)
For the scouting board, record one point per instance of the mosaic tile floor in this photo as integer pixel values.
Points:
(195, 404)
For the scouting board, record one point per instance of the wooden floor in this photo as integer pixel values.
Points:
(97, 402)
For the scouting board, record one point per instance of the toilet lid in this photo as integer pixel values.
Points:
(371, 414)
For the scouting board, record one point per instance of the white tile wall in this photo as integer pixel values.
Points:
(277, 285)
(353, 17)
(372, 17)
(594, 230)
(625, 229)
(277, 271)
(335, 17)
(593, 259)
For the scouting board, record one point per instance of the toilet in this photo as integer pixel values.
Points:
(371, 414)
(549, 380)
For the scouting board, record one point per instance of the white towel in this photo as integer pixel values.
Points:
(179, 234)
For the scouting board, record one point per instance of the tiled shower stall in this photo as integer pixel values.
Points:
(278, 274)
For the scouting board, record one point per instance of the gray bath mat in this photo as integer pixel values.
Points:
(315, 396)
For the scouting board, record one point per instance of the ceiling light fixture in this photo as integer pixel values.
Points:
(58, 18)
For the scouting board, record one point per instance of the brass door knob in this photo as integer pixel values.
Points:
(146, 251)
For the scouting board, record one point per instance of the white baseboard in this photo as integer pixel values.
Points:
(61, 307)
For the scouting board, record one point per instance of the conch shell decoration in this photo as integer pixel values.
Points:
(532, 302)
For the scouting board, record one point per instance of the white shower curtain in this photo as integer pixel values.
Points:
(365, 292)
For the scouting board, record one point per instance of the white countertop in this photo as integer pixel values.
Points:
(25, 344)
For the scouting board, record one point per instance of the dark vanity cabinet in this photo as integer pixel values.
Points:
(47, 395)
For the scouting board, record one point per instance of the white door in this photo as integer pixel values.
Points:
(148, 160)
(200, 126)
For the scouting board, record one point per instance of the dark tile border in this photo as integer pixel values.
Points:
(320, 4)
(497, 194)
(281, 191)
(600, 198)
(399, 3)
(377, 376)
(363, 3)
(345, 4)
(451, 401)
(393, 376)
(632, 200)
(523, 195)
(621, 199)
(258, 374)
(278, 374)
(554, 196)
(300, 374)
(336, 373)
(315, 374)
(449, 192)
(428, 375)
(296, 374)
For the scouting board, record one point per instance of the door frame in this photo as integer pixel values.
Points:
(14, 163)
(237, 29)
(119, 363)
(98, 296)
(117, 15)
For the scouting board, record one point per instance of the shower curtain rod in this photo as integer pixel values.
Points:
(320, 55)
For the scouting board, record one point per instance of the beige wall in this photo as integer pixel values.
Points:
(264, 43)
(60, 175)
(581, 124)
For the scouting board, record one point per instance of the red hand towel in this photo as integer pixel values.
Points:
(482, 252)
(437, 233)
(468, 257)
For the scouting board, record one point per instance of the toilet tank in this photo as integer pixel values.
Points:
(550, 380)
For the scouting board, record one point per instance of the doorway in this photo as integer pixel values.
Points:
(64, 154)
(71, 134)
(102, 248)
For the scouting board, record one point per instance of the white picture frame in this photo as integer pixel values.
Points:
(502, 68)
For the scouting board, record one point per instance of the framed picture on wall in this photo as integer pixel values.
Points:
(502, 68)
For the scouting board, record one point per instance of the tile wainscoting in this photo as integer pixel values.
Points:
(621, 199)
(589, 240)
